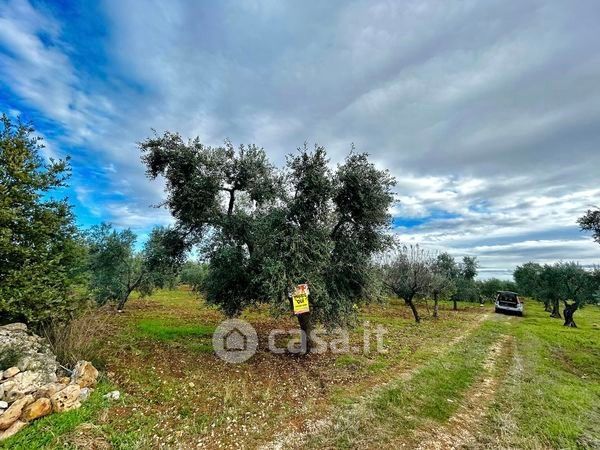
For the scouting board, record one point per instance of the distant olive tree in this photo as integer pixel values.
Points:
(528, 280)
(443, 284)
(193, 274)
(463, 274)
(407, 273)
(577, 289)
(265, 230)
(566, 282)
(117, 269)
(590, 221)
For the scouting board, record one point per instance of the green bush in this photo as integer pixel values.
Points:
(41, 255)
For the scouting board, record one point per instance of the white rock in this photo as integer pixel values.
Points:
(113, 395)
(14, 327)
(11, 372)
(3, 404)
(84, 394)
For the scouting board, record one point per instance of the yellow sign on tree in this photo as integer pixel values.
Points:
(300, 299)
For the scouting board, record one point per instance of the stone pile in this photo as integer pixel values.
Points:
(31, 388)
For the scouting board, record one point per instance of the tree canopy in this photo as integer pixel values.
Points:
(41, 255)
(117, 269)
(590, 221)
(266, 230)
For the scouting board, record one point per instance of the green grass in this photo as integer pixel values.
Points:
(402, 406)
(159, 354)
(166, 330)
(552, 397)
(548, 392)
(45, 432)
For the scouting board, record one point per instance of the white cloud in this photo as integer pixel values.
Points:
(486, 112)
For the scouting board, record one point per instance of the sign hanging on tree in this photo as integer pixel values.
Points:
(300, 299)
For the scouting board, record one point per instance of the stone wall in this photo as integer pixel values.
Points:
(32, 387)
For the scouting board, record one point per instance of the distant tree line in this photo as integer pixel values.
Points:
(258, 231)
(566, 283)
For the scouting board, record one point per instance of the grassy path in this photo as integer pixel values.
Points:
(512, 383)
(472, 379)
(431, 395)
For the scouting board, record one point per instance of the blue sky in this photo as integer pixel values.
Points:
(486, 112)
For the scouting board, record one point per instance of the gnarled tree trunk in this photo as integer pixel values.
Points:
(568, 312)
(555, 310)
(306, 325)
(547, 306)
(411, 304)
(435, 305)
(455, 307)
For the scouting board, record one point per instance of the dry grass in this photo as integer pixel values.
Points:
(79, 338)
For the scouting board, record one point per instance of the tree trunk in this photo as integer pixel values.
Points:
(555, 310)
(435, 305)
(411, 304)
(231, 202)
(455, 307)
(130, 289)
(306, 325)
(122, 302)
(547, 307)
(568, 312)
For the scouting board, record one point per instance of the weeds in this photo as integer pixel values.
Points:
(9, 357)
(78, 338)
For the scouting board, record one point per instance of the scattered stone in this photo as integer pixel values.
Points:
(13, 429)
(34, 356)
(113, 395)
(30, 389)
(40, 408)
(84, 394)
(10, 392)
(13, 412)
(84, 374)
(66, 399)
(11, 372)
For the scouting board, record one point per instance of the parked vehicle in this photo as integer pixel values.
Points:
(507, 301)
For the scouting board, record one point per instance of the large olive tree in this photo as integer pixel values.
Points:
(266, 230)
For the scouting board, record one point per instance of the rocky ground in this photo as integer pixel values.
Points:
(32, 384)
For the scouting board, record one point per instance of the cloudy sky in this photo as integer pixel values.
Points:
(487, 112)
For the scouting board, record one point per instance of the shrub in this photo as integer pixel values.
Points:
(9, 357)
(41, 256)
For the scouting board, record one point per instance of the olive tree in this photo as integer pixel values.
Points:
(443, 284)
(590, 221)
(117, 269)
(576, 289)
(264, 230)
(408, 274)
(528, 278)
